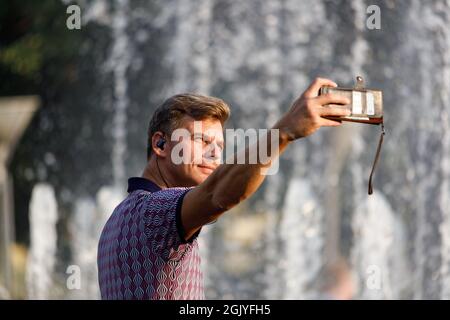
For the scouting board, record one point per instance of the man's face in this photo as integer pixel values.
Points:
(198, 147)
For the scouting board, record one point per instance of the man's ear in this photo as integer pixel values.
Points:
(159, 144)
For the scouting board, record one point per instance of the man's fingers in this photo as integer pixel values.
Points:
(332, 99)
(329, 123)
(313, 89)
(334, 110)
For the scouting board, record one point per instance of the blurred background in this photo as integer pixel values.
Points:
(74, 110)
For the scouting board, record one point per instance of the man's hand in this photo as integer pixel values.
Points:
(306, 113)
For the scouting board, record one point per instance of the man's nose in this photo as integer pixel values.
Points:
(214, 152)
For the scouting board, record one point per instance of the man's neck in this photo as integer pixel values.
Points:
(152, 173)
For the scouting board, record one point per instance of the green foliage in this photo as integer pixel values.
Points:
(33, 36)
(24, 57)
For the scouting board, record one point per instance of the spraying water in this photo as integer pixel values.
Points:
(259, 56)
(43, 237)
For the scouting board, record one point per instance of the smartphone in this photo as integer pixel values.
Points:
(366, 104)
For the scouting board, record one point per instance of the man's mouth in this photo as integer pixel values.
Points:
(206, 168)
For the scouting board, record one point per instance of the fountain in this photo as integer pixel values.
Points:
(259, 56)
(43, 238)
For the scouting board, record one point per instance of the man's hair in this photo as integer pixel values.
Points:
(168, 116)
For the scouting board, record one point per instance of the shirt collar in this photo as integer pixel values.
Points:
(139, 183)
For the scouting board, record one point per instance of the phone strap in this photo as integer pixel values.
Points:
(377, 155)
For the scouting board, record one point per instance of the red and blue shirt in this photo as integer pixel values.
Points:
(142, 253)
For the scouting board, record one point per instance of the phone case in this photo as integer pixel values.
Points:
(366, 104)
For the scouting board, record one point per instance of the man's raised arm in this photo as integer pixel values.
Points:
(230, 184)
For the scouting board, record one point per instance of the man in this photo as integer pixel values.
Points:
(336, 281)
(148, 248)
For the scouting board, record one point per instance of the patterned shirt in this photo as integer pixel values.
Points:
(142, 253)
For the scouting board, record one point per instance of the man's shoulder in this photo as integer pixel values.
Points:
(166, 199)
(168, 194)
